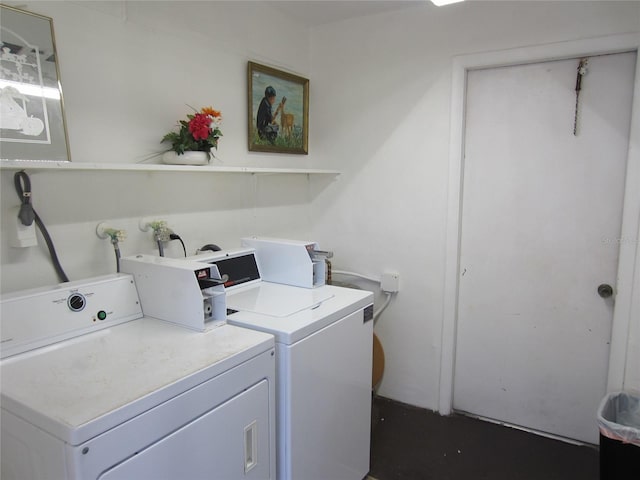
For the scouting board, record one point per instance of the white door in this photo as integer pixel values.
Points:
(541, 218)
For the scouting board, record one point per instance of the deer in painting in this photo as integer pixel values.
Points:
(286, 119)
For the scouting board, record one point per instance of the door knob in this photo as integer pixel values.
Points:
(605, 290)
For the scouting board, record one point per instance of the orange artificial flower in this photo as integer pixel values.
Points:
(211, 112)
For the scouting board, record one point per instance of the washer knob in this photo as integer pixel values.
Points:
(76, 302)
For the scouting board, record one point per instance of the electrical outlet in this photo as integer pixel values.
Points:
(22, 235)
(390, 282)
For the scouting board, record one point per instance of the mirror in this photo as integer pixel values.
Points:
(32, 123)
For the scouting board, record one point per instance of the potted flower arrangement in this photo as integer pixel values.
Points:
(192, 143)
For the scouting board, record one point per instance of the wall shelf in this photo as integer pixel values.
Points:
(139, 167)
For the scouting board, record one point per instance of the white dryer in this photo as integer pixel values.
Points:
(91, 389)
(324, 338)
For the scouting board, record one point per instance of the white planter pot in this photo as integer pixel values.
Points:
(186, 158)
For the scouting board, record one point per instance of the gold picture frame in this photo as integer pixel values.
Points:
(278, 111)
(32, 123)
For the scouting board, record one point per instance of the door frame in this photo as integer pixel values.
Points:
(625, 309)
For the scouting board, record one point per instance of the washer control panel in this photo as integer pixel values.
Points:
(40, 317)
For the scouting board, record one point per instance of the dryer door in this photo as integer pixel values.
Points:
(229, 442)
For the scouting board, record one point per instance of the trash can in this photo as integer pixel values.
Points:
(619, 424)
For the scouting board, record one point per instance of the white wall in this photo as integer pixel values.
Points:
(381, 113)
(128, 71)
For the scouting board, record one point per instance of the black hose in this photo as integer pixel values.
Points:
(175, 236)
(211, 247)
(27, 211)
(116, 249)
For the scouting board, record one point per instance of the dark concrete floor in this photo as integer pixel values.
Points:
(412, 443)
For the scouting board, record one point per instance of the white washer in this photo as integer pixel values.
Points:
(324, 339)
(91, 389)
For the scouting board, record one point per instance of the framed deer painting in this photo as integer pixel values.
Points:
(278, 111)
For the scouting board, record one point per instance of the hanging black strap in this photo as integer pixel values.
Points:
(23, 188)
(28, 215)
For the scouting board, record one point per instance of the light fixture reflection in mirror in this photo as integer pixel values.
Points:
(32, 123)
(32, 90)
(442, 3)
